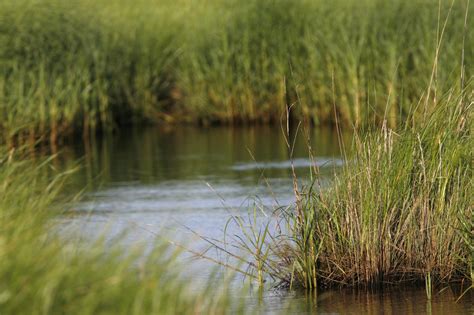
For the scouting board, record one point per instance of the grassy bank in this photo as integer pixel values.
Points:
(76, 66)
(42, 273)
(399, 212)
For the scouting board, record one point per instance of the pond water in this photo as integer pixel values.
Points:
(186, 181)
(173, 181)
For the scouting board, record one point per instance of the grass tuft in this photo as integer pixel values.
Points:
(398, 212)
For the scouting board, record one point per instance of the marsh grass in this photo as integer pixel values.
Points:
(396, 212)
(400, 209)
(78, 66)
(42, 272)
(399, 212)
(75, 66)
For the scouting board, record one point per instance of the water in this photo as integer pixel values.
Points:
(183, 182)
(188, 178)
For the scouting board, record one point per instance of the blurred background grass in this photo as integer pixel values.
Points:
(44, 272)
(77, 66)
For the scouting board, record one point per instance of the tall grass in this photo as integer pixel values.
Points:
(44, 273)
(399, 212)
(76, 66)
(374, 51)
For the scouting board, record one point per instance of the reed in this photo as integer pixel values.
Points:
(78, 66)
(398, 212)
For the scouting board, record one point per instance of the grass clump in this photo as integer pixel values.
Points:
(44, 273)
(398, 212)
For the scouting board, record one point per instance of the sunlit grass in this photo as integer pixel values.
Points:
(398, 212)
(77, 66)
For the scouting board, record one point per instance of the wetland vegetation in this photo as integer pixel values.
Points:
(76, 66)
(397, 209)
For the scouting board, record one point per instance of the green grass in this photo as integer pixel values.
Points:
(77, 66)
(42, 272)
(399, 211)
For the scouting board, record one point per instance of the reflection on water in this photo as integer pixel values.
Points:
(192, 177)
(171, 181)
(288, 164)
(152, 155)
(394, 301)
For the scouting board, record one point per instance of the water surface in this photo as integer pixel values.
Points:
(185, 181)
(191, 178)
